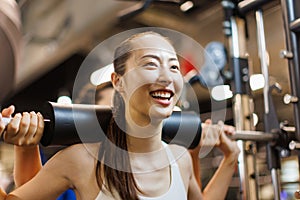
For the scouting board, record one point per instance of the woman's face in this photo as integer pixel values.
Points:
(152, 83)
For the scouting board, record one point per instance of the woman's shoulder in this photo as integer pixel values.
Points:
(77, 154)
(175, 148)
(183, 160)
(74, 162)
(76, 166)
(82, 148)
(181, 154)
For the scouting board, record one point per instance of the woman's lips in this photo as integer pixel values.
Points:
(162, 97)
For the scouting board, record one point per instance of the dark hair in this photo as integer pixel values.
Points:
(114, 150)
(86, 94)
(89, 91)
(103, 86)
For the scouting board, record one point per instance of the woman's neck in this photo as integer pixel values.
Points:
(144, 139)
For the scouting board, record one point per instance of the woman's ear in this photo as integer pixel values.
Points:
(117, 81)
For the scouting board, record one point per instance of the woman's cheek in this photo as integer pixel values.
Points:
(179, 82)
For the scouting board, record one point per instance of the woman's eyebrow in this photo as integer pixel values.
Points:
(150, 56)
(157, 57)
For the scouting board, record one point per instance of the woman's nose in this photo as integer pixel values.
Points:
(164, 77)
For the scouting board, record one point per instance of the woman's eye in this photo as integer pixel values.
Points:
(151, 64)
(175, 67)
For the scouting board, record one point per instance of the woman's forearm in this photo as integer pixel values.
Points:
(196, 165)
(27, 163)
(218, 186)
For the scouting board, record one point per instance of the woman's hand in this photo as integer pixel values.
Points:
(24, 129)
(216, 135)
(229, 147)
(7, 112)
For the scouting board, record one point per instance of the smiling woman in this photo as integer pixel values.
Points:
(133, 162)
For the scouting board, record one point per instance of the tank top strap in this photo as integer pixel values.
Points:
(170, 155)
(177, 190)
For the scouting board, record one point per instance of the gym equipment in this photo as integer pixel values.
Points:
(10, 40)
(134, 10)
(270, 117)
(291, 20)
(211, 73)
(234, 27)
(277, 134)
(68, 124)
(291, 23)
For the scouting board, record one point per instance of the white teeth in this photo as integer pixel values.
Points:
(161, 94)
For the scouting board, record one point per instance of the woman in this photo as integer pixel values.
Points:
(133, 163)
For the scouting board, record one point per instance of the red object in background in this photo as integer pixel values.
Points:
(188, 70)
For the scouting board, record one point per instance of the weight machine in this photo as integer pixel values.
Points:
(291, 20)
(280, 142)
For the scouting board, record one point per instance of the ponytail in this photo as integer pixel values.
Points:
(114, 155)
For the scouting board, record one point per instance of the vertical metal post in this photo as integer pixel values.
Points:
(289, 12)
(273, 160)
(262, 52)
(242, 102)
(242, 109)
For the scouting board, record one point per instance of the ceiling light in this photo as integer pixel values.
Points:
(64, 97)
(186, 6)
(64, 100)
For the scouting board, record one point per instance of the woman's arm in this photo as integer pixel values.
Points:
(210, 137)
(218, 185)
(196, 165)
(24, 131)
(194, 190)
(52, 180)
(27, 163)
(215, 135)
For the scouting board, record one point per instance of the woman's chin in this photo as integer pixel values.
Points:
(161, 113)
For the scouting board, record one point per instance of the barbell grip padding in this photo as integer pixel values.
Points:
(68, 122)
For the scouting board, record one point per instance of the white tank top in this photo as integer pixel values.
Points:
(176, 191)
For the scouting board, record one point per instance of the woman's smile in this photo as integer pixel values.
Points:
(162, 97)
